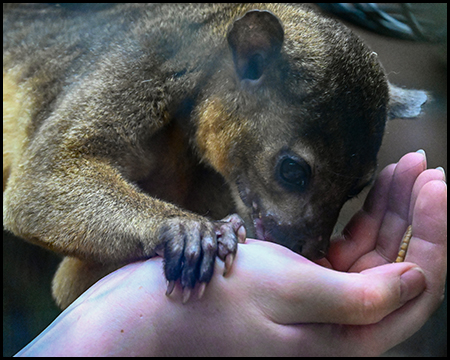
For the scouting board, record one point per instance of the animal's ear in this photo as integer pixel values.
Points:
(255, 40)
(405, 103)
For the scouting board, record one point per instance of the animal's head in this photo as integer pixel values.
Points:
(296, 123)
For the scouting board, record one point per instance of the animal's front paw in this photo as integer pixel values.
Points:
(191, 246)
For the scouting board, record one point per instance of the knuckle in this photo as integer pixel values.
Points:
(372, 305)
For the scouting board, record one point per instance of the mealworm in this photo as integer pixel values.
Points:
(404, 245)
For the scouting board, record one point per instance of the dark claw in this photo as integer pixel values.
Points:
(170, 287)
(191, 246)
(228, 262)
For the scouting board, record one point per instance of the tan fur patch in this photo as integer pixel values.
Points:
(17, 105)
(217, 132)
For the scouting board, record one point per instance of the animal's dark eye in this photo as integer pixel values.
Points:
(295, 173)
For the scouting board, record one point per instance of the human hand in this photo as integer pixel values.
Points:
(275, 302)
(415, 196)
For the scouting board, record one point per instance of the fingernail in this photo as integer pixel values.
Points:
(412, 284)
(421, 151)
(440, 168)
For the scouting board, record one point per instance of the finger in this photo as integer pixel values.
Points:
(359, 236)
(409, 167)
(392, 220)
(428, 249)
(428, 245)
(396, 217)
(377, 200)
(422, 179)
(350, 298)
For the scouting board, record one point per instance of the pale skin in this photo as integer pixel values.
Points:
(274, 302)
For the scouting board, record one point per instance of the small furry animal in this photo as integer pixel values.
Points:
(131, 130)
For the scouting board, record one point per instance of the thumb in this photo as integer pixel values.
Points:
(391, 286)
(379, 291)
(358, 298)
